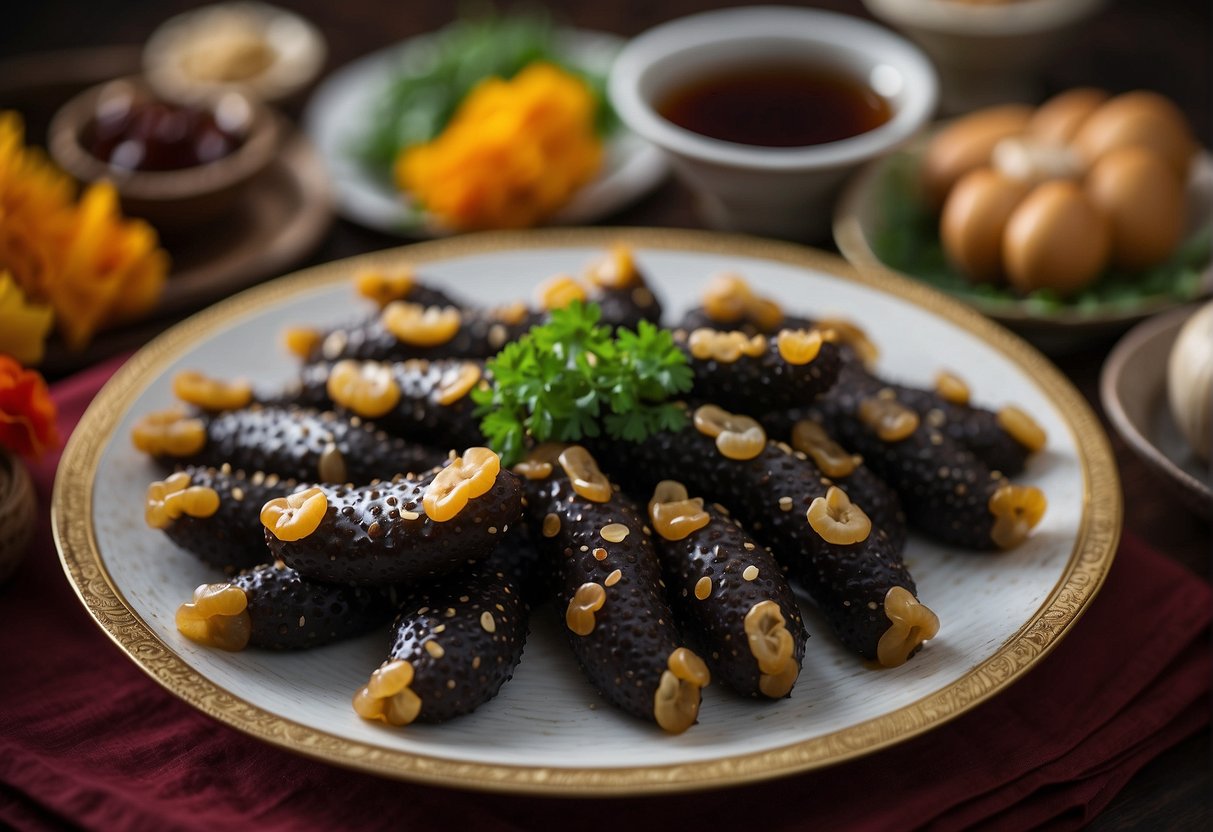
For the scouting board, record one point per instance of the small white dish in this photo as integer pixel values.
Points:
(986, 53)
(866, 210)
(295, 51)
(338, 113)
(1133, 389)
(781, 192)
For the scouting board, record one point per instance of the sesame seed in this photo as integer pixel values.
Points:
(613, 578)
(749, 547)
(703, 588)
(434, 649)
(785, 503)
(750, 572)
(551, 525)
(600, 553)
(487, 622)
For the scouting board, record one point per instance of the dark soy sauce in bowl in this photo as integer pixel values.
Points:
(777, 105)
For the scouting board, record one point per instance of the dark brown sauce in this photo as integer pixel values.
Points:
(778, 105)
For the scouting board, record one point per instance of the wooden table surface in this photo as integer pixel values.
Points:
(1158, 44)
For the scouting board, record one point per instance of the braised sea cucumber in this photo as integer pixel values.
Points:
(425, 401)
(404, 330)
(618, 286)
(618, 622)
(455, 643)
(946, 490)
(215, 513)
(293, 442)
(729, 590)
(757, 374)
(402, 530)
(850, 568)
(274, 607)
(1002, 440)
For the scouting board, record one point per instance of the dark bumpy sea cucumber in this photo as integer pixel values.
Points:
(610, 592)
(402, 530)
(730, 591)
(455, 643)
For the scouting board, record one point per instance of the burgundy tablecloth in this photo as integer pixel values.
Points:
(86, 740)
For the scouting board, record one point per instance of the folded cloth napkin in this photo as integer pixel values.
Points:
(86, 740)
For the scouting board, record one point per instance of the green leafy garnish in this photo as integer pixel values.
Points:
(570, 379)
(436, 75)
(909, 242)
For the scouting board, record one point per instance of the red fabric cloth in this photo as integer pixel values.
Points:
(86, 740)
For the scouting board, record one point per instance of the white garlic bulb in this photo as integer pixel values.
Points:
(1190, 380)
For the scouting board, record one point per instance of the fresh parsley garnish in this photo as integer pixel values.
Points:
(570, 379)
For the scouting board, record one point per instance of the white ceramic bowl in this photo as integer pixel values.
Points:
(298, 48)
(784, 192)
(986, 53)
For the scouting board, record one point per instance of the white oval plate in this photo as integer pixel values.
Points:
(548, 730)
(338, 112)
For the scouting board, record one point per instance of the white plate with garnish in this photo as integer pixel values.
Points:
(339, 113)
(549, 731)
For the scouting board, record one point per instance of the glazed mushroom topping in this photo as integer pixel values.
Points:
(533, 469)
(551, 524)
(737, 437)
(169, 499)
(559, 291)
(853, 336)
(367, 388)
(617, 270)
(301, 341)
(582, 470)
(799, 346)
(512, 313)
(725, 347)
(466, 478)
(728, 299)
(808, 436)
(673, 513)
(1016, 509)
(910, 624)
(384, 287)
(217, 616)
(837, 519)
(421, 326)
(614, 532)
(295, 516)
(676, 702)
(457, 382)
(200, 390)
(169, 433)
(951, 388)
(772, 647)
(586, 601)
(1022, 428)
(387, 696)
(888, 418)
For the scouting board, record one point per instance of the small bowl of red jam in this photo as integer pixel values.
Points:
(177, 165)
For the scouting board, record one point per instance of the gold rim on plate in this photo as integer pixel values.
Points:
(1085, 571)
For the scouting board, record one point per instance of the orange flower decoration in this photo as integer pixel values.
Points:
(514, 152)
(27, 414)
(92, 266)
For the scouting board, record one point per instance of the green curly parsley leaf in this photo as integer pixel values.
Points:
(571, 379)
